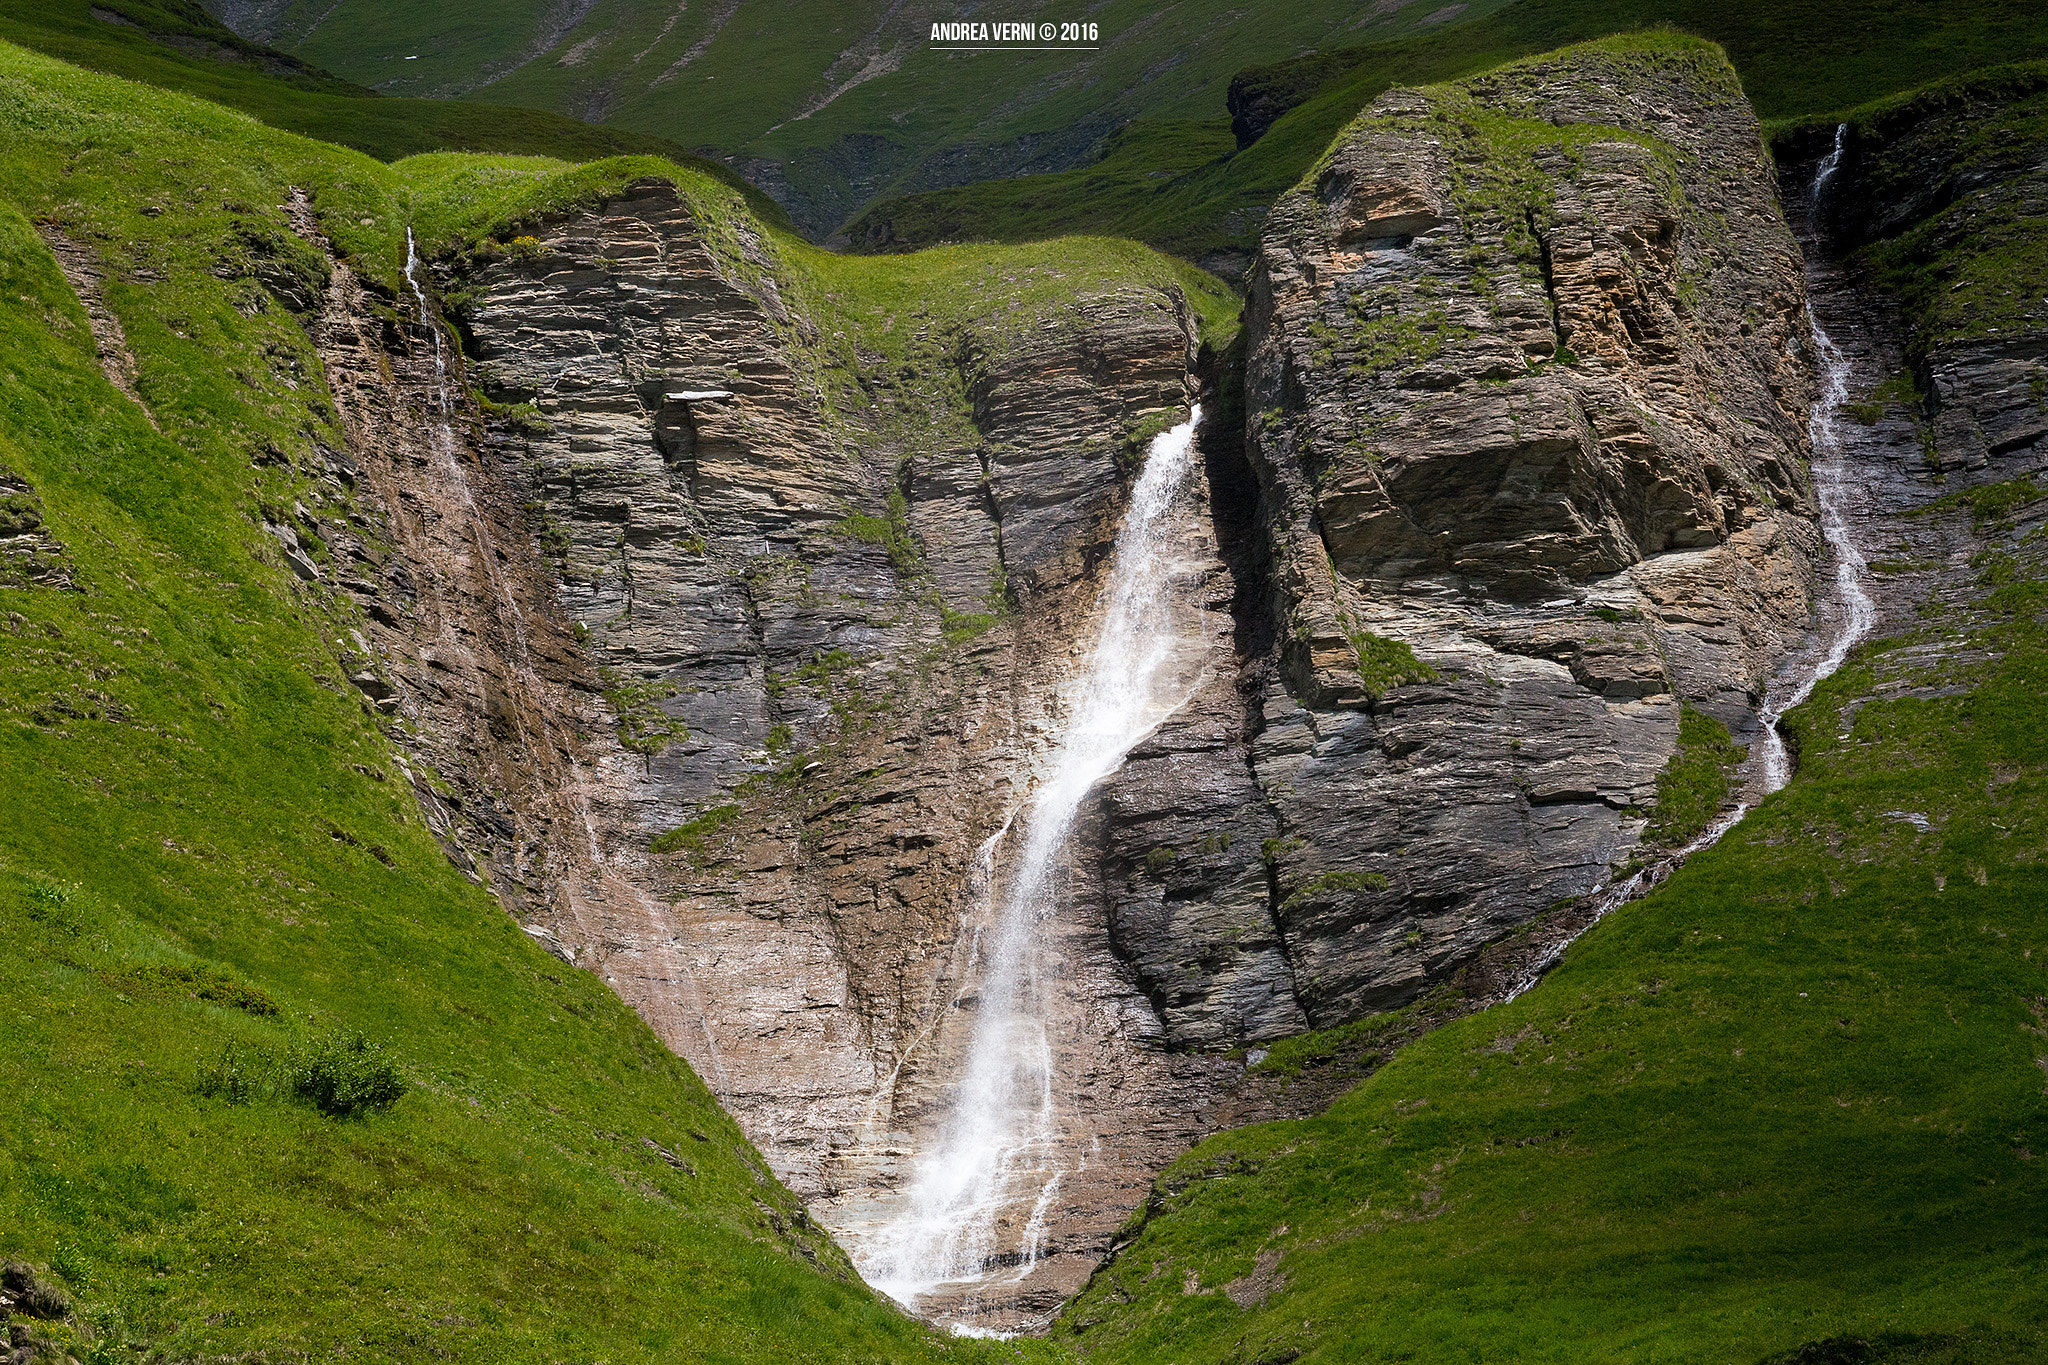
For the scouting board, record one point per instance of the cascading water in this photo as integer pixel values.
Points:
(999, 1147)
(1846, 618)
(419, 294)
(1857, 613)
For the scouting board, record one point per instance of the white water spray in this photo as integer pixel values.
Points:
(1829, 164)
(999, 1144)
(419, 295)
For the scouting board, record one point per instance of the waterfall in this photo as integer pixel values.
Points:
(1858, 614)
(1829, 164)
(1847, 616)
(419, 294)
(1855, 615)
(998, 1149)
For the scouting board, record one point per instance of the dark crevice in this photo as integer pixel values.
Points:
(1549, 279)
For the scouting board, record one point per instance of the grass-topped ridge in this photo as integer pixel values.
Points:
(273, 1091)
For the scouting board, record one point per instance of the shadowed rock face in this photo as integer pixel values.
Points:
(1527, 391)
(1518, 467)
(1949, 188)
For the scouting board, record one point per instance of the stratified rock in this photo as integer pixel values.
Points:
(1944, 193)
(1527, 390)
(835, 634)
(30, 553)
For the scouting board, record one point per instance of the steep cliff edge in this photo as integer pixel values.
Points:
(1526, 392)
(1522, 473)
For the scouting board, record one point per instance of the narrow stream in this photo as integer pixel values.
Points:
(997, 1153)
(1854, 613)
(1844, 615)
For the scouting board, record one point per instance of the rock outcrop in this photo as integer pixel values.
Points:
(740, 620)
(1527, 392)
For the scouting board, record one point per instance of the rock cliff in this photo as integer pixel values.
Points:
(736, 617)
(1527, 390)
(1937, 200)
(831, 607)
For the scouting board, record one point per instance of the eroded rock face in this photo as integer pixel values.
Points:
(1519, 468)
(1527, 392)
(837, 634)
(1949, 189)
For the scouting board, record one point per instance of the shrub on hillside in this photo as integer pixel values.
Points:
(237, 1076)
(346, 1076)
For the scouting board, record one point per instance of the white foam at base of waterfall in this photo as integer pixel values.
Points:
(998, 1145)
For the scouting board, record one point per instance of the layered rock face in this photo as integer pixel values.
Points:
(744, 621)
(1527, 391)
(1943, 194)
(834, 627)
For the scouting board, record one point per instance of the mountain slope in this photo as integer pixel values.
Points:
(214, 874)
(175, 45)
(1789, 1106)
(828, 104)
(1797, 62)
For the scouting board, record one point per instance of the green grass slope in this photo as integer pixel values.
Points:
(1795, 1094)
(175, 45)
(793, 80)
(213, 878)
(1799, 61)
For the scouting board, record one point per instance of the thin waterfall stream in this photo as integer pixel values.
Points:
(1845, 615)
(997, 1149)
(537, 736)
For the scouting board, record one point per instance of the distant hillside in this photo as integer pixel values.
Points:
(830, 105)
(1799, 60)
(176, 45)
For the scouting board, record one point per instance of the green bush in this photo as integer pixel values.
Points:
(237, 1076)
(1384, 663)
(691, 836)
(201, 983)
(346, 1076)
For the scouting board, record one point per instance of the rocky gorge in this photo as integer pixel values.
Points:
(729, 617)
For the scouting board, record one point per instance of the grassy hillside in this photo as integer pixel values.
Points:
(176, 45)
(1795, 1094)
(1798, 61)
(213, 880)
(847, 99)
